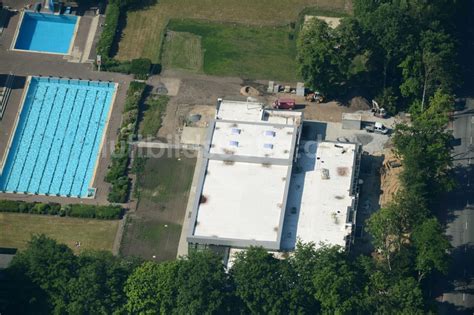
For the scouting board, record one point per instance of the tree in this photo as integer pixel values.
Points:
(386, 231)
(49, 266)
(438, 55)
(304, 262)
(336, 281)
(425, 148)
(98, 287)
(318, 58)
(202, 284)
(262, 282)
(152, 288)
(431, 248)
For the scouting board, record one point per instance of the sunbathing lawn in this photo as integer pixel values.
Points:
(144, 30)
(163, 187)
(243, 51)
(182, 50)
(155, 108)
(17, 228)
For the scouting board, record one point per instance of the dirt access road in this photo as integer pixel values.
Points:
(197, 94)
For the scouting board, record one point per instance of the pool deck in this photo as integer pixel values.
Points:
(23, 64)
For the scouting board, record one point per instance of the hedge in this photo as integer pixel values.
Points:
(140, 67)
(104, 45)
(97, 212)
(117, 174)
(73, 210)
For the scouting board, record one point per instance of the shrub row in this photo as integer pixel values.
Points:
(140, 67)
(104, 45)
(117, 175)
(72, 210)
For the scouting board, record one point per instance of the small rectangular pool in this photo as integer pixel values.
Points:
(58, 137)
(47, 33)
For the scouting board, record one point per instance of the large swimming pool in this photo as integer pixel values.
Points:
(46, 32)
(56, 143)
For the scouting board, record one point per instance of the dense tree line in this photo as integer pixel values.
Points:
(48, 278)
(399, 52)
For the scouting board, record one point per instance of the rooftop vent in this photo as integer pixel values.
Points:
(270, 133)
(324, 173)
(268, 146)
(236, 131)
(234, 143)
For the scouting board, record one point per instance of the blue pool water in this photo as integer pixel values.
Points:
(56, 142)
(46, 32)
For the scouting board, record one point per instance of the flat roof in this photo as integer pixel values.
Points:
(243, 186)
(320, 197)
(249, 139)
(241, 201)
(241, 111)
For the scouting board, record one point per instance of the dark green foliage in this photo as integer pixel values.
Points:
(104, 45)
(98, 286)
(431, 247)
(336, 281)
(426, 149)
(92, 211)
(399, 52)
(140, 68)
(72, 210)
(201, 283)
(409, 241)
(267, 285)
(48, 267)
(47, 278)
(117, 174)
(152, 288)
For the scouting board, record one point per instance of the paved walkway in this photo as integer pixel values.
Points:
(183, 244)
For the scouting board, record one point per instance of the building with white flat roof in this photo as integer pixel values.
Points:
(257, 186)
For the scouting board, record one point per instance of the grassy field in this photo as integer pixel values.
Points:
(243, 51)
(16, 230)
(182, 51)
(153, 114)
(144, 30)
(163, 187)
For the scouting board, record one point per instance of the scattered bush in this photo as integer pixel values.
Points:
(73, 210)
(140, 68)
(104, 45)
(117, 175)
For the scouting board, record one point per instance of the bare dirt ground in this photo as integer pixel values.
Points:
(333, 22)
(390, 183)
(332, 111)
(197, 94)
(192, 94)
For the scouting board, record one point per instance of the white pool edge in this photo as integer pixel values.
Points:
(103, 140)
(17, 32)
(97, 158)
(15, 125)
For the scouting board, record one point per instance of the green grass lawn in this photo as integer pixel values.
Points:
(182, 51)
(153, 113)
(244, 51)
(164, 180)
(16, 230)
(144, 30)
(153, 238)
(162, 190)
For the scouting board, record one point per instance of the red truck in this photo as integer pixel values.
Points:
(284, 103)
